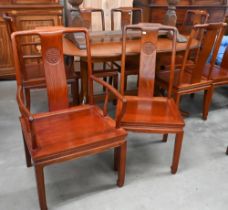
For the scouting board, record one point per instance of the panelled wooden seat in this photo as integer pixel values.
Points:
(189, 78)
(145, 112)
(65, 132)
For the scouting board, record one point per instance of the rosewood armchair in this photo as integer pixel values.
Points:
(189, 78)
(65, 132)
(32, 67)
(146, 113)
(127, 14)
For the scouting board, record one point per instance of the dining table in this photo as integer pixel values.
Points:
(107, 46)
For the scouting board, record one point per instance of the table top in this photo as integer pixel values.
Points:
(108, 45)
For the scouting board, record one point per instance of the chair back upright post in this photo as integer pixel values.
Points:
(149, 38)
(126, 15)
(210, 39)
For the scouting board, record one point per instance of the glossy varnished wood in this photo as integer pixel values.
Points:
(66, 133)
(145, 112)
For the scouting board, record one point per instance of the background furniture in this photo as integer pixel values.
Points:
(66, 133)
(27, 15)
(154, 10)
(146, 113)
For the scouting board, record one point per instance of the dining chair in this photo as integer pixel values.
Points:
(64, 133)
(104, 71)
(146, 113)
(189, 78)
(127, 16)
(32, 67)
(194, 17)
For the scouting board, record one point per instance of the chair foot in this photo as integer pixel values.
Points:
(122, 164)
(41, 187)
(165, 138)
(177, 151)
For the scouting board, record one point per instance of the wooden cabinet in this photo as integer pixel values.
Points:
(26, 14)
(154, 10)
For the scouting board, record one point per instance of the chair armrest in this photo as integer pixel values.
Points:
(122, 102)
(23, 109)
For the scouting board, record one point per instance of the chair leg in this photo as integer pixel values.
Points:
(41, 186)
(165, 138)
(28, 98)
(177, 151)
(122, 164)
(192, 95)
(207, 102)
(75, 92)
(27, 154)
(116, 158)
(125, 83)
(227, 151)
(177, 99)
(115, 85)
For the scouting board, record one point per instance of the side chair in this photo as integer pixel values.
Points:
(189, 77)
(127, 13)
(146, 113)
(64, 133)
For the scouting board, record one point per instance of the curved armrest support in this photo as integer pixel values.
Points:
(23, 109)
(122, 101)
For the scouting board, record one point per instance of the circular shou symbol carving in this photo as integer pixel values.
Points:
(53, 55)
(148, 48)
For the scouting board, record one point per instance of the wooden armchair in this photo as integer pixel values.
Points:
(65, 133)
(145, 112)
(32, 70)
(132, 65)
(190, 77)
